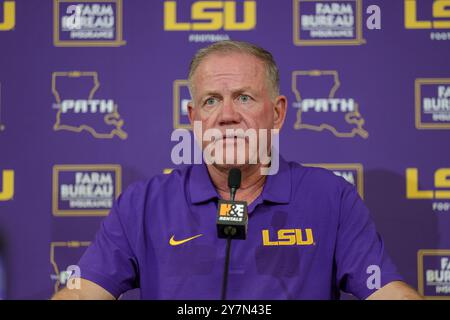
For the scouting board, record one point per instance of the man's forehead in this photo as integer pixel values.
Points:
(229, 64)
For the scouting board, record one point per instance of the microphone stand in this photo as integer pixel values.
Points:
(231, 231)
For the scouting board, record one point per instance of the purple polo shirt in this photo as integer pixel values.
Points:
(309, 236)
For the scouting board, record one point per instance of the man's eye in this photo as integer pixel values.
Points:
(210, 101)
(244, 98)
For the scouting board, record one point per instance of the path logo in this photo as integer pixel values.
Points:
(433, 267)
(79, 110)
(432, 97)
(319, 109)
(87, 23)
(63, 257)
(85, 190)
(352, 172)
(207, 16)
(181, 98)
(9, 15)
(7, 185)
(429, 16)
(327, 22)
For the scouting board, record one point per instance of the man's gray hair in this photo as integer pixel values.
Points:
(230, 46)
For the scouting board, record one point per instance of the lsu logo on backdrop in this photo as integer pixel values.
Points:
(319, 108)
(438, 192)
(87, 23)
(352, 172)
(63, 258)
(85, 190)
(181, 98)
(432, 103)
(433, 267)
(288, 237)
(9, 15)
(206, 16)
(432, 15)
(7, 185)
(327, 22)
(79, 107)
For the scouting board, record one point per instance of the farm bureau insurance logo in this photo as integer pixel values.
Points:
(327, 22)
(438, 192)
(433, 267)
(63, 256)
(87, 23)
(78, 108)
(432, 17)
(353, 173)
(181, 98)
(432, 103)
(9, 15)
(319, 109)
(206, 16)
(85, 190)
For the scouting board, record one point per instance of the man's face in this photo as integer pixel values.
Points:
(230, 91)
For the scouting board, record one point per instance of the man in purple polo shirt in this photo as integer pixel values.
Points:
(309, 233)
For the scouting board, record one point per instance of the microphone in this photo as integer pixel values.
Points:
(232, 220)
(232, 216)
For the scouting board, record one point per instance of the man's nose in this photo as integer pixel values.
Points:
(229, 114)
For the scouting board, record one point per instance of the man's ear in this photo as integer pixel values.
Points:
(280, 112)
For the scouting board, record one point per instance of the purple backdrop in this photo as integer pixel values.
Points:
(90, 92)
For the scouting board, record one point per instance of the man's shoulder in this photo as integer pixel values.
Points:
(162, 182)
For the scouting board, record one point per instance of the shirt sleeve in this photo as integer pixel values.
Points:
(362, 263)
(109, 261)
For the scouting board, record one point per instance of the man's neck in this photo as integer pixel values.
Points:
(252, 182)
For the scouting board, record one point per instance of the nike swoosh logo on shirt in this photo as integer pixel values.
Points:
(174, 242)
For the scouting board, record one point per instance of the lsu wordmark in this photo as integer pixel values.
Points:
(436, 190)
(6, 185)
(9, 15)
(431, 17)
(200, 18)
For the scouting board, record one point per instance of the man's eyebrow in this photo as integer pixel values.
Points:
(233, 91)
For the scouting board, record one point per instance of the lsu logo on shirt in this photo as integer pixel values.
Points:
(429, 15)
(211, 16)
(440, 190)
(289, 237)
(7, 183)
(9, 16)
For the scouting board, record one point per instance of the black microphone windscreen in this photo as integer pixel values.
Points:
(234, 178)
